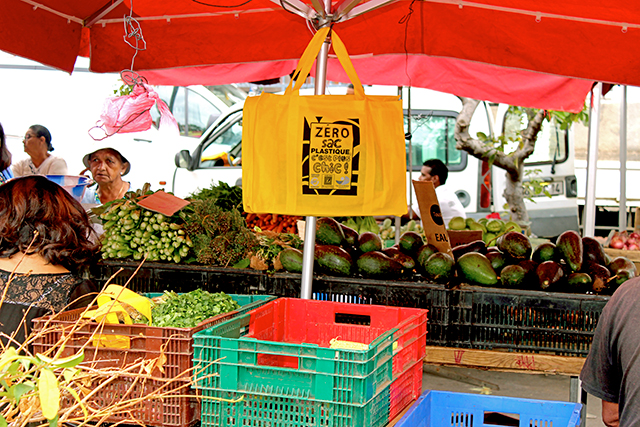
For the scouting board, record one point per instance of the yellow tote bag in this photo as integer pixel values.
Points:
(325, 155)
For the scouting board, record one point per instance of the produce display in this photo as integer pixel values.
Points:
(388, 231)
(173, 310)
(571, 264)
(131, 231)
(625, 241)
(220, 237)
(212, 231)
(273, 222)
(492, 228)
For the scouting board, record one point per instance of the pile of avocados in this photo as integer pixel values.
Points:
(341, 251)
(572, 264)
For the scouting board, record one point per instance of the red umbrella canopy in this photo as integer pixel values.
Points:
(584, 39)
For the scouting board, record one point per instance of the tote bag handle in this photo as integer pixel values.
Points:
(310, 54)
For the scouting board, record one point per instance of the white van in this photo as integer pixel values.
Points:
(432, 126)
(70, 105)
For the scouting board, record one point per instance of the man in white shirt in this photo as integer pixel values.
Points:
(436, 171)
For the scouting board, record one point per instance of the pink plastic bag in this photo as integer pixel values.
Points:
(131, 113)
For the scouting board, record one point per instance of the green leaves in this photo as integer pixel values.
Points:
(187, 310)
(226, 197)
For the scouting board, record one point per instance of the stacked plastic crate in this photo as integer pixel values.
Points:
(117, 345)
(275, 365)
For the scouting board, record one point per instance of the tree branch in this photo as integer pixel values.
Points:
(475, 147)
(529, 136)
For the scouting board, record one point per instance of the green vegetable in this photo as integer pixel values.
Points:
(188, 310)
(224, 196)
(131, 231)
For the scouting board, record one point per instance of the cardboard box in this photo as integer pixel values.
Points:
(434, 228)
(462, 237)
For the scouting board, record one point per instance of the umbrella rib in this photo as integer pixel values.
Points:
(184, 16)
(300, 8)
(37, 5)
(537, 14)
(363, 8)
(104, 10)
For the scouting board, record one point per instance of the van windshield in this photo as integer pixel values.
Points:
(432, 137)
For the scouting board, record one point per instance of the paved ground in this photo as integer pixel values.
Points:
(533, 386)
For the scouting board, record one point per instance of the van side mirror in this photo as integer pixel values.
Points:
(183, 159)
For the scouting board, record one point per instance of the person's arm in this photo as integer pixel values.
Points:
(610, 415)
(58, 167)
(18, 169)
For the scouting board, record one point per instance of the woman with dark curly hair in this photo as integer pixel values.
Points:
(45, 238)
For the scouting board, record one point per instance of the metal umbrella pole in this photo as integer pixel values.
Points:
(589, 220)
(622, 214)
(310, 221)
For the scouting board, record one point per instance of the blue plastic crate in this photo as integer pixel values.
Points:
(442, 408)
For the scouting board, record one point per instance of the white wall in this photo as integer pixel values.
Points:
(68, 105)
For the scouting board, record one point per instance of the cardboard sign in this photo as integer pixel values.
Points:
(434, 228)
(164, 203)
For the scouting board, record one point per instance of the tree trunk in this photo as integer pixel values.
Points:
(512, 163)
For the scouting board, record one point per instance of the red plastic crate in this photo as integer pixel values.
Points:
(405, 389)
(286, 352)
(299, 321)
(145, 342)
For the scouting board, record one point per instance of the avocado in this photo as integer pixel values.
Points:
(423, 254)
(475, 246)
(579, 283)
(410, 242)
(569, 247)
(512, 276)
(329, 232)
(395, 253)
(369, 241)
(549, 275)
(495, 225)
(531, 278)
(476, 268)
(621, 276)
(600, 276)
(489, 238)
(457, 223)
(497, 259)
(440, 267)
(476, 226)
(622, 269)
(333, 259)
(350, 235)
(621, 262)
(516, 245)
(291, 260)
(592, 250)
(544, 252)
(512, 226)
(469, 221)
(376, 264)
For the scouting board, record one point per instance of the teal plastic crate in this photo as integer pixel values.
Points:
(273, 411)
(441, 409)
(281, 349)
